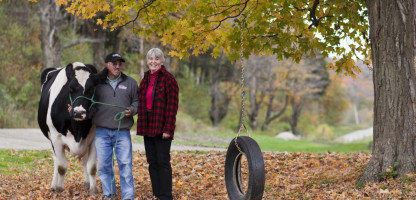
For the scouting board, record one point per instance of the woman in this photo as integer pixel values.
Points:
(158, 104)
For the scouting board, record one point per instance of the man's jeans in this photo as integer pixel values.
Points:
(105, 140)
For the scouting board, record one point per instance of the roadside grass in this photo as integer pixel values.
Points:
(13, 161)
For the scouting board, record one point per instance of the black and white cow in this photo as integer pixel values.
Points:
(69, 131)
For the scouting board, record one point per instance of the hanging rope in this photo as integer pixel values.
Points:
(243, 90)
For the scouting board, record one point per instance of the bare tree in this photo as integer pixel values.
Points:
(260, 82)
(221, 85)
(271, 109)
(305, 80)
(52, 20)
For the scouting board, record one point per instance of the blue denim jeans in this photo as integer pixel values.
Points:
(105, 140)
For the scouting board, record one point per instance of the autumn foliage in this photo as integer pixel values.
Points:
(200, 175)
(287, 29)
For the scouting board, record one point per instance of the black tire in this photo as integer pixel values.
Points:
(256, 179)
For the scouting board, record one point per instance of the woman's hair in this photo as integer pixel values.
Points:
(156, 52)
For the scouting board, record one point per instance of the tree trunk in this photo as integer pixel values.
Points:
(357, 120)
(393, 44)
(49, 15)
(296, 111)
(99, 48)
(269, 118)
(254, 103)
(143, 59)
(219, 105)
(219, 98)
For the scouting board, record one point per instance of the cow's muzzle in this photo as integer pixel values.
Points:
(79, 113)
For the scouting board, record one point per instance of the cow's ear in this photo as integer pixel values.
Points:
(92, 68)
(70, 70)
(102, 76)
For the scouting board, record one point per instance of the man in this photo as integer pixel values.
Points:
(120, 90)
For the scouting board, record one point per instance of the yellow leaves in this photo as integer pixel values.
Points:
(281, 27)
(345, 66)
(84, 8)
(62, 2)
(99, 21)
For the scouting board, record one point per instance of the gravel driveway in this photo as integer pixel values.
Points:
(33, 139)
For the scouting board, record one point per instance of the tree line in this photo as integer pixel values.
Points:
(272, 86)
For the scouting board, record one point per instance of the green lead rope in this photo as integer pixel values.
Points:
(118, 117)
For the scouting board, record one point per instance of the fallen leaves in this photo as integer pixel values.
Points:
(199, 175)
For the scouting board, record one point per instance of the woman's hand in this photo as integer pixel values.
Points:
(165, 136)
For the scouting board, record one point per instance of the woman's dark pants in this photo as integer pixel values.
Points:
(160, 170)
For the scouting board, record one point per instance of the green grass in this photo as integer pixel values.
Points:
(266, 143)
(13, 161)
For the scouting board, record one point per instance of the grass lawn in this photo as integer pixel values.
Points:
(266, 143)
(13, 161)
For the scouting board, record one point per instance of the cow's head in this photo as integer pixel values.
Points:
(82, 81)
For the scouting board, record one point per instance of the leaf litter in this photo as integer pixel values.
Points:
(200, 175)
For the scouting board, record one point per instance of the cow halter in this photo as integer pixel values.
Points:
(84, 97)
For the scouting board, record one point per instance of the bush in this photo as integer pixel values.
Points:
(194, 100)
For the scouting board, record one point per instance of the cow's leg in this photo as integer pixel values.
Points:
(61, 166)
(90, 170)
(86, 178)
(55, 173)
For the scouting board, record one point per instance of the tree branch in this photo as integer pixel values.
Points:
(312, 17)
(146, 4)
(76, 41)
(229, 7)
(228, 17)
(281, 111)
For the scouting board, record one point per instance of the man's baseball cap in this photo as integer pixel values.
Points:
(112, 57)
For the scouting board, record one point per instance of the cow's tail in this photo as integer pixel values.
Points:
(53, 148)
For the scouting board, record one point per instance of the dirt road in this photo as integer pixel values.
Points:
(34, 139)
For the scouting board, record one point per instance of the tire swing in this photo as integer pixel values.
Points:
(243, 151)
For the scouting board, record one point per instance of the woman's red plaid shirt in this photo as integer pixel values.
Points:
(164, 108)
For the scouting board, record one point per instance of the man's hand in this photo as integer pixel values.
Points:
(69, 108)
(128, 113)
